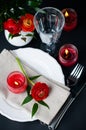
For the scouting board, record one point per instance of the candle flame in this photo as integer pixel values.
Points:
(16, 83)
(66, 51)
(66, 14)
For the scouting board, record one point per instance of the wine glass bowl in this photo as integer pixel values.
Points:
(49, 23)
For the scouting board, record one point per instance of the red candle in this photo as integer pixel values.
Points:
(68, 55)
(70, 19)
(17, 82)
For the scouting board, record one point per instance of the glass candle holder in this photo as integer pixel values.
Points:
(70, 19)
(68, 55)
(17, 82)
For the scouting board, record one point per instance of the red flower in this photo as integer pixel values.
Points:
(12, 26)
(40, 91)
(27, 22)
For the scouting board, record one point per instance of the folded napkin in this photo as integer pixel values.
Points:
(57, 96)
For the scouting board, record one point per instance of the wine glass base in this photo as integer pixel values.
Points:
(51, 49)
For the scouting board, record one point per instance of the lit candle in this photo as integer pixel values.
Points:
(17, 82)
(70, 19)
(68, 55)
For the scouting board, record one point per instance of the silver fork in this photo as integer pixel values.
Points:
(71, 81)
(75, 75)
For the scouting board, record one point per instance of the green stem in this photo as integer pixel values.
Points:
(23, 70)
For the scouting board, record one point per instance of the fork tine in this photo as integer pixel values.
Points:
(77, 70)
(74, 70)
(75, 75)
(81, 69)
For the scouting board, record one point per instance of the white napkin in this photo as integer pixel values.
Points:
(55, 100)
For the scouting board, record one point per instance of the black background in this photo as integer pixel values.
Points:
(75, 117)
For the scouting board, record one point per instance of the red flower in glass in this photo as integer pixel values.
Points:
(12, 26)
(40, 91)
(27, 23)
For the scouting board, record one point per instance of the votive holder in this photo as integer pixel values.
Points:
(68, 55)
(70, 19)
(17, 82)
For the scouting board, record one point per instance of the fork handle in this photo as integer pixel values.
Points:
(56, 121)
(71, 84)
(77, 90)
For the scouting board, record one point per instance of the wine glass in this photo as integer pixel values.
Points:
(49, 23)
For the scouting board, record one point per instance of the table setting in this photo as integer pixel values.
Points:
(51, 58)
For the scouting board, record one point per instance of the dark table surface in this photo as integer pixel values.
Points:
(75, 117)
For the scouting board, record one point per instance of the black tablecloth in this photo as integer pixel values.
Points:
(75, 117)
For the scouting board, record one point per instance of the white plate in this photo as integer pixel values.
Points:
(42, 63)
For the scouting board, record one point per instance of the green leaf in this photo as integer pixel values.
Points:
(43, 103)
(29, 34)
(24, 39)
(28, 89)
(34, 109)
(34, 77)
(34, 3)
(10, 36)
(27, 99)
(37, 8)
(16, 35)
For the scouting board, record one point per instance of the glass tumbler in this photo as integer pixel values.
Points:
(49, 23)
